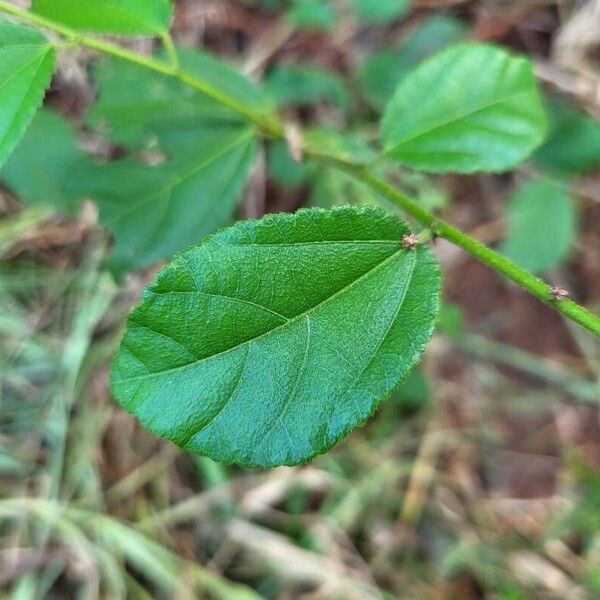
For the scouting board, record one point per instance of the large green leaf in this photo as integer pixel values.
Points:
(26, 66)
(542, 226)
(134, 104)
(40, 165)
(125, 17)
(472, 107)
(272, 339)
(155, 211)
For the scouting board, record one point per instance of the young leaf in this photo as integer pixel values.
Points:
(542, 226)
(380, 74)
(379, 12)
(40, 165)
(121, 17)
(134, 104)
(26, 66)
(155, 211)
(472, 107)
(272, 339)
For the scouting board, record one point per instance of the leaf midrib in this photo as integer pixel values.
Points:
(26, 65)
(277, 327)
(459, 117)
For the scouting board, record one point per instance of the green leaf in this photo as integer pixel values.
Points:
(283, 168)
(134, 104)
(379, 12)
(381, 72)
(26, 66)
(39, 167)
(542, 226)
(311, 14)
(272, 339)
(472, 107)
(302, 84)
(573, 145)
(122, 17)
(155, 211)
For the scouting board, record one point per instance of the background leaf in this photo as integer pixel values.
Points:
(380, 74)
(283, 168)
(302, 84)
(542, 226)
(230, 352)
(26, 66)
(134, 104)
(126, 17)
(311, 14)
(336, 188)
(155, 211)
(481, 112)
(379, 12)
(39, 166)
(573, 145)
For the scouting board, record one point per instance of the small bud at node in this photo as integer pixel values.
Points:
(410, 241)
(558, 293)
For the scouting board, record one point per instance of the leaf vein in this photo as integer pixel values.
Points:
(292, 320)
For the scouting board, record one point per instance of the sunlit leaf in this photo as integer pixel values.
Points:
(472, 107)
(272, 339)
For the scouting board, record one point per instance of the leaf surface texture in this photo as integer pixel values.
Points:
(472, 107)
(272, 339)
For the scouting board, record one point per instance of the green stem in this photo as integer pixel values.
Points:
(271, 126)
(171, 51)
(535, 286)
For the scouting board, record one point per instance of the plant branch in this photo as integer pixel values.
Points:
(271, 126)
(535, 286)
